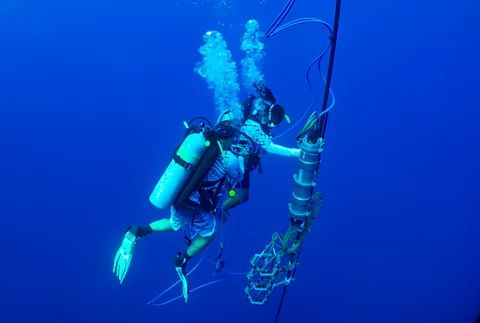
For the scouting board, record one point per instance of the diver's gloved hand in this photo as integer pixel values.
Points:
(264, 92)
(124, 255)
(253, 162)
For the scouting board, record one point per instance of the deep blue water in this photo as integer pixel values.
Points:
(92, 98)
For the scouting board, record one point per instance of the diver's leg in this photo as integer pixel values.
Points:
(133, 234)
(174, 223)
(199, 244)
(206, 234)
(163, 225)
(124, 255)
(204, 224)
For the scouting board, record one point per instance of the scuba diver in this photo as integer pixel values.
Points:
(218, 169)
(261, 114)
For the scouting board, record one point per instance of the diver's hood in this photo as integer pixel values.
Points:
(276, 114)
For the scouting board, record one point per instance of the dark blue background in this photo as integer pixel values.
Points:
(92, 99)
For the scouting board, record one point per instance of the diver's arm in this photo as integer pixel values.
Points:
(282, 151)
(235, 167)
(254, 130)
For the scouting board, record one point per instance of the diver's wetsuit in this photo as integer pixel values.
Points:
(263, 143)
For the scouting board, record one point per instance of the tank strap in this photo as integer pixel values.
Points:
(177, 159)
(199, 174)
(183, 163)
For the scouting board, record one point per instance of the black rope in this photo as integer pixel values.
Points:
(289, 274)
(321, 123)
